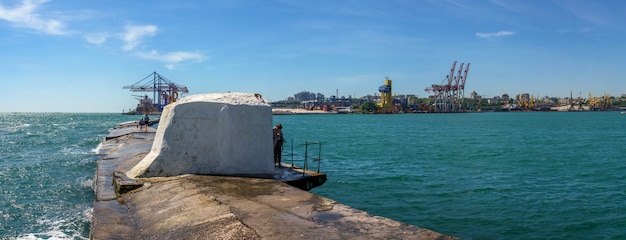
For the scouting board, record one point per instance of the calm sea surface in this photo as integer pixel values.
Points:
(476, 176)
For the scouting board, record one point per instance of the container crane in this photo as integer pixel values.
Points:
(164, 91)
(448, 96)
(455, 91)
(462, 86)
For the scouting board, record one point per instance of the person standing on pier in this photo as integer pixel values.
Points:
(278, 143)
(146, 119)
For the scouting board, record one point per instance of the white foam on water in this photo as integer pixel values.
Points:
(97, 149)
(54, 232)
(88, 183)
(6, 216)
(14, 128)
(60, 229)
(72, 150)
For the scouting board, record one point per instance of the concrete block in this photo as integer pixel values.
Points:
(213, 134)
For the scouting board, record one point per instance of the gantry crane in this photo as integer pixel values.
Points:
(164, 91)
(449, 94)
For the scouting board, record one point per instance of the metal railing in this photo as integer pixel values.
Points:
(302, 153)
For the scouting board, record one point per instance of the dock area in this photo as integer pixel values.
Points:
(221, 207)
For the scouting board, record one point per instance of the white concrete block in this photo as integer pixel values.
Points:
(216, 134)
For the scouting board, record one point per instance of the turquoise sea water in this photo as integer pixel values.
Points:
(476, 176)
(47, 167)
(481, 175)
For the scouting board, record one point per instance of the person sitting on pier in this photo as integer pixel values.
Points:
(278, 143)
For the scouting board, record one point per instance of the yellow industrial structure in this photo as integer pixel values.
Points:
(386, 100)
(601, 103)
(527, 102)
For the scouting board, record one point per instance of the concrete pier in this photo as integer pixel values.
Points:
(219, 207)
(208, 172)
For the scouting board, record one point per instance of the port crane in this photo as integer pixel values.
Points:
(449, 94)
(164, 91)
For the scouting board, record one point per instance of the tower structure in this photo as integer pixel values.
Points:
(386, 101)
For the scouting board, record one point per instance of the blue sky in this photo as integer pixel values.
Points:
(75, 56)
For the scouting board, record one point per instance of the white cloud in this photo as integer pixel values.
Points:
(134, 34)
(96, 38)
(497, 34)
(172, 58)
(25, 16)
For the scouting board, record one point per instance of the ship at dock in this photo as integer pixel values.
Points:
(163, 91)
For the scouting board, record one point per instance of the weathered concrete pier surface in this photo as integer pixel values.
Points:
(258, 205)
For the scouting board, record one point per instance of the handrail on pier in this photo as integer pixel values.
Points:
(304, 157)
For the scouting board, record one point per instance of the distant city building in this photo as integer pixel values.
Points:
(554, 100)
(412, 103)
(493, 100)
(320, 97)
(505, 97)
(304, 96)
(474, 95)
(308, 96)
(370, 98)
